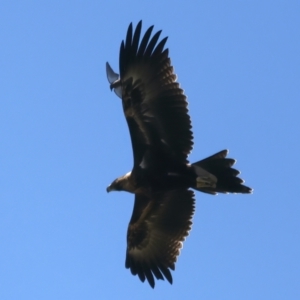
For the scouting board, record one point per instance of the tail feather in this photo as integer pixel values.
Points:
(221, 167)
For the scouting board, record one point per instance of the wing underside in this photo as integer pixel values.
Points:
(154, 105)
(156, 232)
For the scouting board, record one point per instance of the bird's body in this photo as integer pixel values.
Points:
(155, 108)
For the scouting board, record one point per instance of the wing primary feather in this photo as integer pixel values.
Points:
(166, 273)
(145, 41)
(152, 44)
(172, 266)
(149, 276)
(157, 272)
(128, 37)
(127, 262)
(136, 38)
(142, 276)
(160, 47)
(122, 59)
(133, 266)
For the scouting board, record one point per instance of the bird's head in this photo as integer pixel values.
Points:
(114, 186)
(122, 183)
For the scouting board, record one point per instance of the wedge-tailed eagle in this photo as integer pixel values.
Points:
(161, 179)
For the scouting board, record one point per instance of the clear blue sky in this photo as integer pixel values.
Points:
(64, 139)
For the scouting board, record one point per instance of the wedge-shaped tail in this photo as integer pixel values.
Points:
(226, 176)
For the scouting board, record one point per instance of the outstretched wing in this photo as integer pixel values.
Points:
(154, 105)
(156, 231)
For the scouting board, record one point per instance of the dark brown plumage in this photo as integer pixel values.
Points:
(155, 108)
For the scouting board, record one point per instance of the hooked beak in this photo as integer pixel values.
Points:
(108, 189)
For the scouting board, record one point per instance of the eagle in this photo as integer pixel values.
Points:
(162, 179)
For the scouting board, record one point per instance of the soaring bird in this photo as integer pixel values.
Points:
(162, 178)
